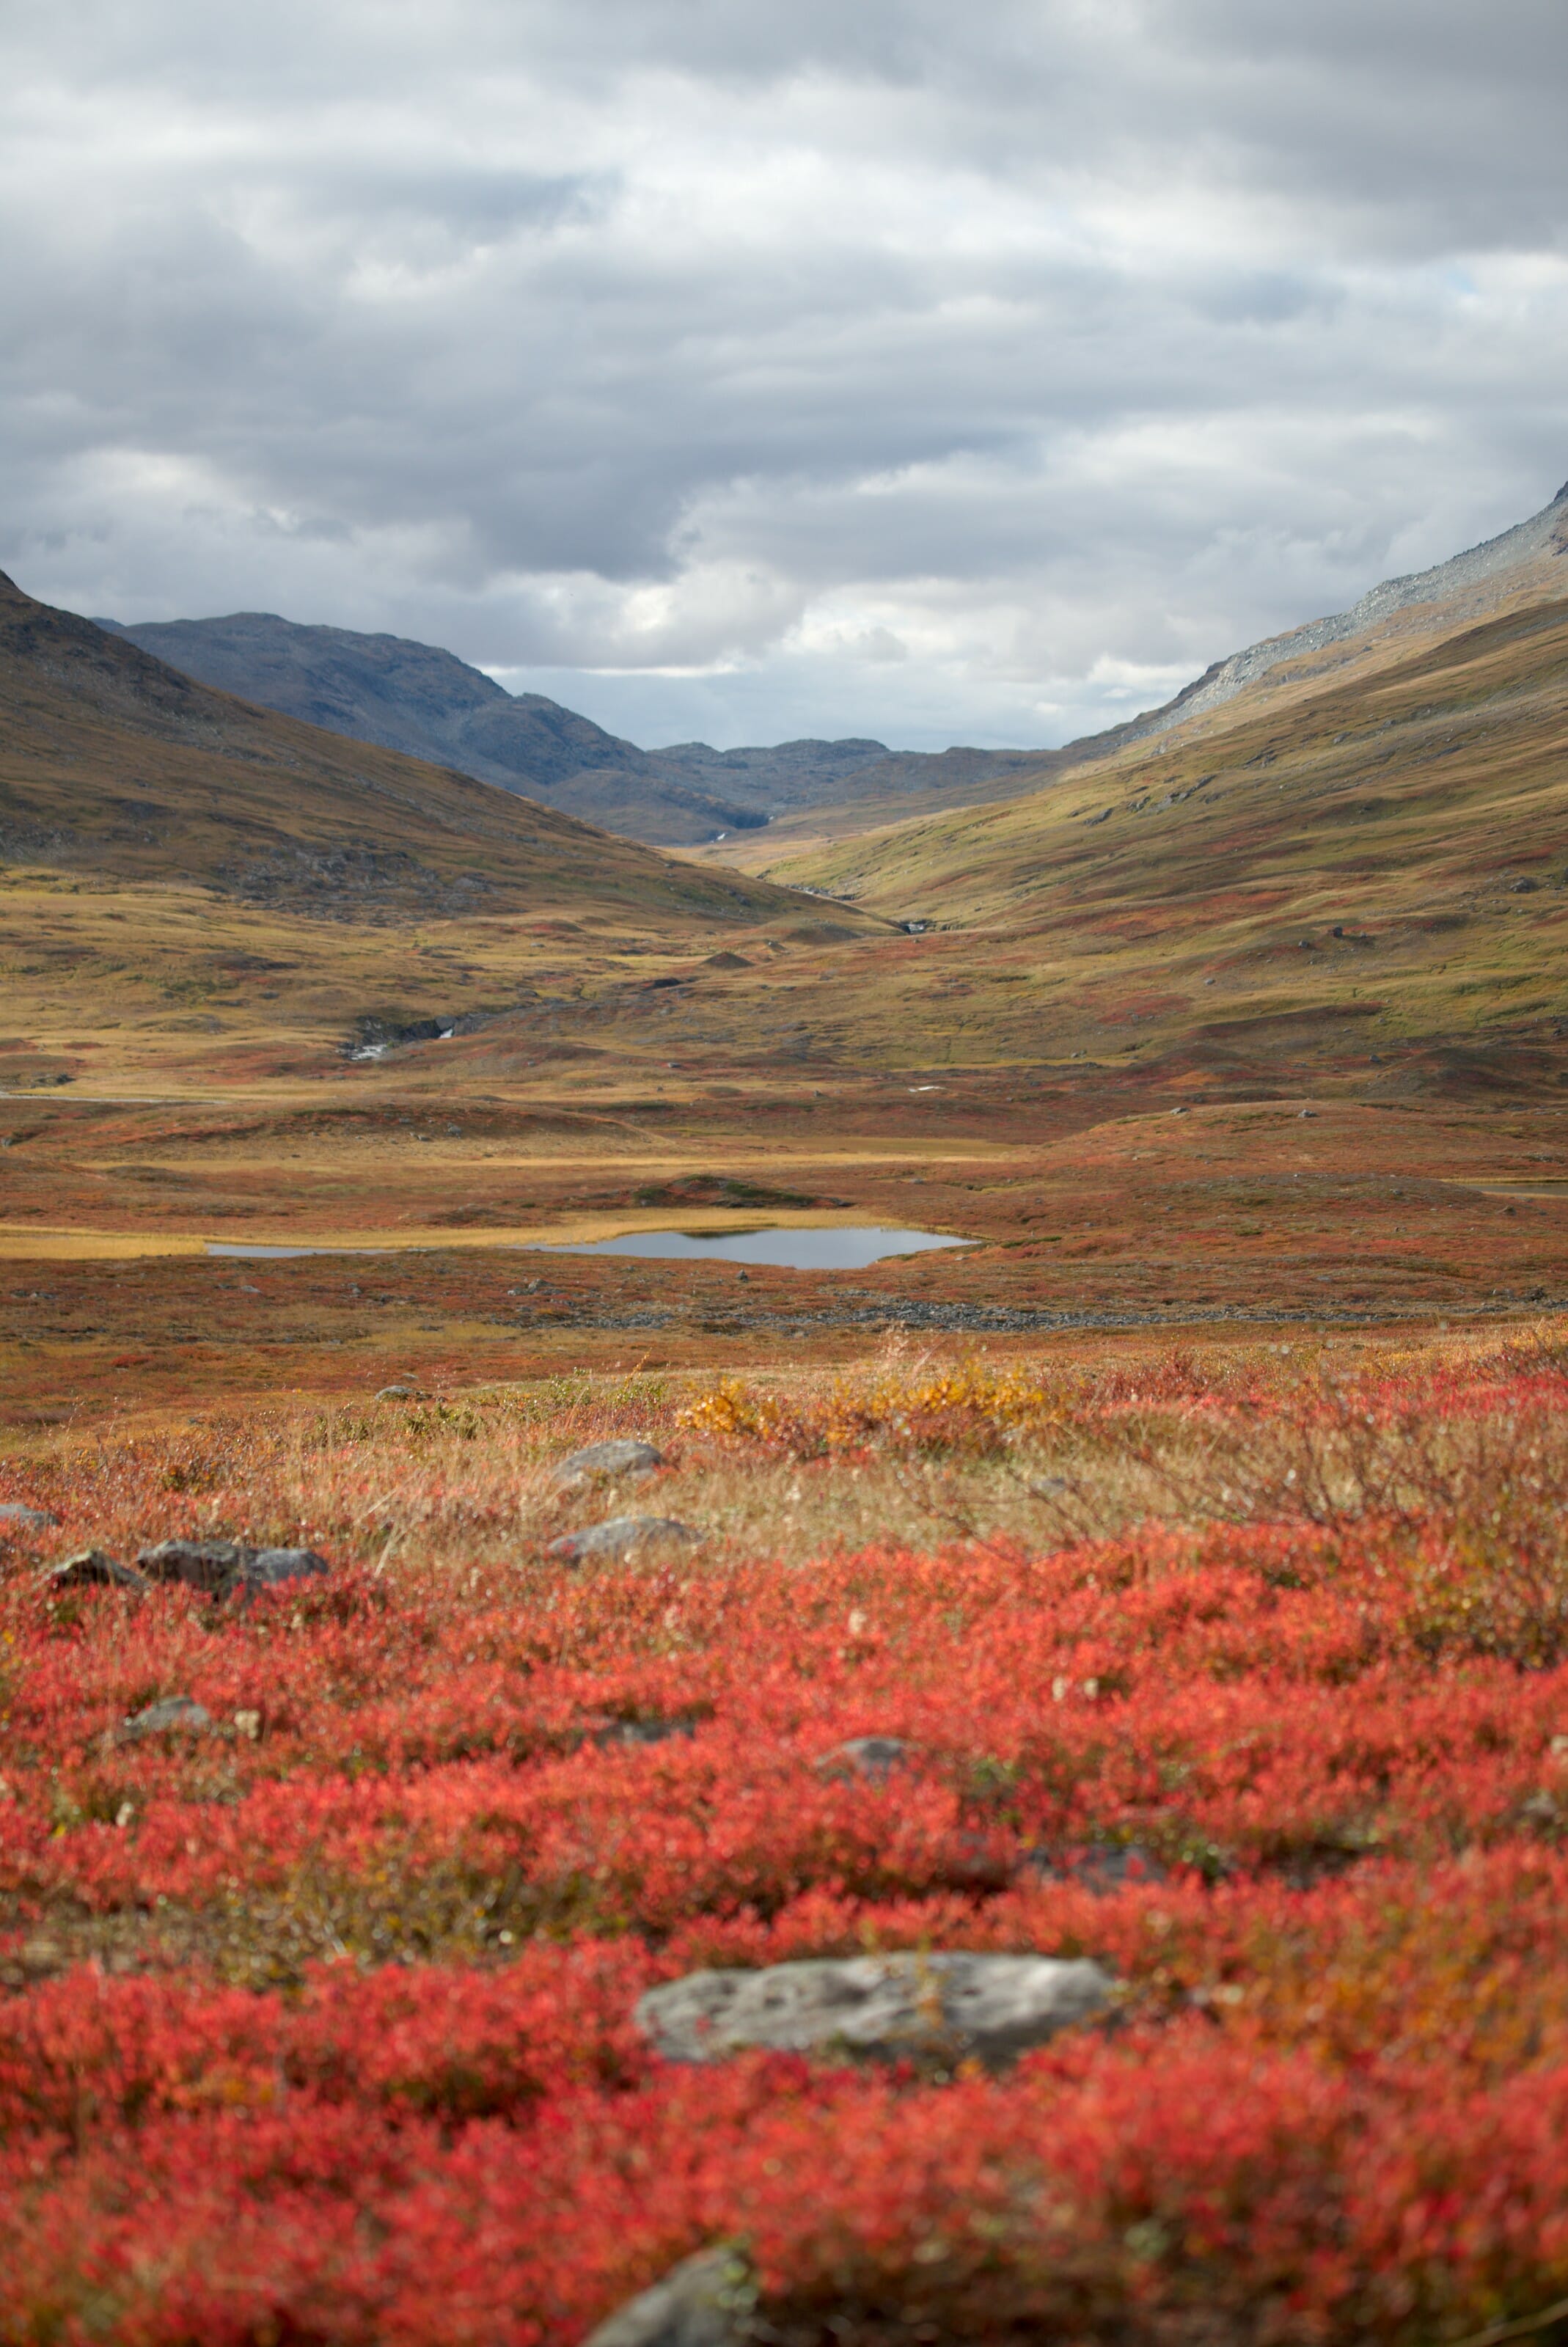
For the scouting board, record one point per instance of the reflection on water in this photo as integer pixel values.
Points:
(828, 1247)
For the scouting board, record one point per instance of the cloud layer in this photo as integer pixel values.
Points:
(747, 371)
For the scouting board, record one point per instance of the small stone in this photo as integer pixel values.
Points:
(25, 1518)
(876, 2008)
(401, 1393)
(219, 1567)
(90, 1569)
(621, 1535)
(210, 1565)
(264, 1568)
(175, 1714)
(872, 1757)
(705, 2301)
(1308, 1112)
(627, 1456)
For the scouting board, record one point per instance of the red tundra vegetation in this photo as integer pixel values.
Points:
(319, 2022)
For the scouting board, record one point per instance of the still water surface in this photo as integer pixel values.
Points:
(828, 1247)
(825, 1248)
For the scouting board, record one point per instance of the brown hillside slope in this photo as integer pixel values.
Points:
(1444, 771)
(113, 764)
(1395, 621)
(1371, 867)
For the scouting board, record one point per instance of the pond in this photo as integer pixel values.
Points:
(828, 1247)
(833, 1246)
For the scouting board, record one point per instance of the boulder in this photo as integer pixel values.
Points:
(176, 1714)
(602, 1459)
(401, 1393)
(621, 1535)
(25, 1518)
(211, 1566)
(705, 2301)
(92, 1568)
(220, 1568)
(871, 1758)
(876, 2008)
(265, 1568)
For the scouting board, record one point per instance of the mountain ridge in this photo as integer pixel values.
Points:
(111, 760)
(428, 703)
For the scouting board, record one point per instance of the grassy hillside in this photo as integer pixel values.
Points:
(113, 765)
(1386, 855)
(1447, 765)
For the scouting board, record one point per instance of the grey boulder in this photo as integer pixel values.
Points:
(175, 1714)
(266, 1568)
(220, 1568)
(705, 2301)
(621, 1536)
(876, 2008)
(606, 1458)
(91, 1568)
(198, 1565)
(25, 1518)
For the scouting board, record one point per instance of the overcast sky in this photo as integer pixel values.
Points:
(752, 368)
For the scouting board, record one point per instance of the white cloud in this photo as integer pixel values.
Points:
(882, 370)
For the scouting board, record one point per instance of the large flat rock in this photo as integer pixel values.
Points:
(878, 2008)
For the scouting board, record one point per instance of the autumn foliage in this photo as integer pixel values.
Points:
(319, 2021)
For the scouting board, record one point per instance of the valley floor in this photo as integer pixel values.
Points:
(1192, 1540)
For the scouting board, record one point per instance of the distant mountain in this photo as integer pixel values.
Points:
(416, 698)
(790, 775)
(112, 761)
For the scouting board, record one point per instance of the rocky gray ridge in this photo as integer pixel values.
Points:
(1461, 583)
(1455, 580)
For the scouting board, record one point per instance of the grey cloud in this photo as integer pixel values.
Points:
(1058, 344)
